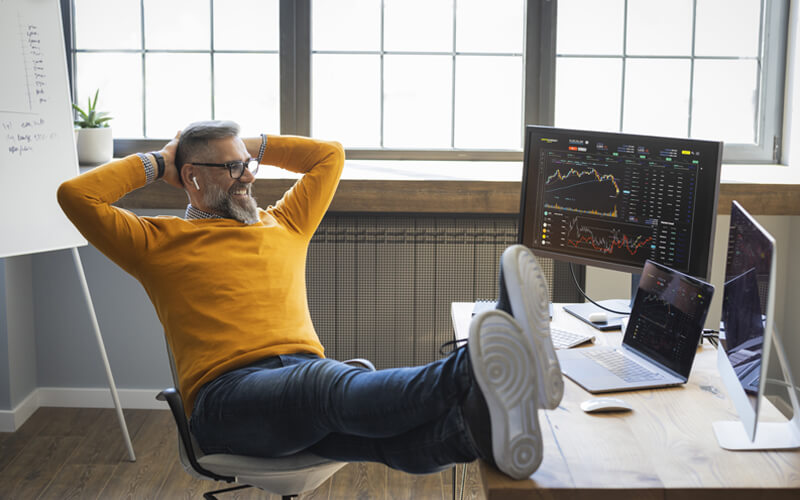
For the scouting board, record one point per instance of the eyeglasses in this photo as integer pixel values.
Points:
(235, 168)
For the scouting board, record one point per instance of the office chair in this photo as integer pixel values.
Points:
(286, 476)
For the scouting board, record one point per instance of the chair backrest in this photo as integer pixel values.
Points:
(184, 457)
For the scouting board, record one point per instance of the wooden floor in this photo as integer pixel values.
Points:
(78, 453)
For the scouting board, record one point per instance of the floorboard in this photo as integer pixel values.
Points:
(79, 453)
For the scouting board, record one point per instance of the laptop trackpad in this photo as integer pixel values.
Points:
(589, 375)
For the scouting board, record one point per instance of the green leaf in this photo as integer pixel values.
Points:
(81, 112)
(91, 118)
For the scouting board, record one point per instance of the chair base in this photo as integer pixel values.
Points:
(210, 495)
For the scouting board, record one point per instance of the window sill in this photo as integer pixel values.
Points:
(379, 186)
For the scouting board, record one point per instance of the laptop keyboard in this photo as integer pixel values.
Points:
(564, 339)
(624, 368)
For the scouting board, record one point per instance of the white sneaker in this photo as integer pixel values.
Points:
(527, 294)
(503, 364)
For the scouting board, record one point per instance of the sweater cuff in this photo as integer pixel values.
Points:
(149, 170)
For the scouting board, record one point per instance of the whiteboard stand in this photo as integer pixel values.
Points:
(96, 325)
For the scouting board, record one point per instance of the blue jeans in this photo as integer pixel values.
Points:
(406, 418)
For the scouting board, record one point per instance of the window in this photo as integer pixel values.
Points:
(162, 64)
(703, 70)
(437, 79)
(375, 86)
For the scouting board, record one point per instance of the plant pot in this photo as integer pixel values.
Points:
(95, 145)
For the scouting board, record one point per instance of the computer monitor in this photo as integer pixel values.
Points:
(614, 200)
(747, 335)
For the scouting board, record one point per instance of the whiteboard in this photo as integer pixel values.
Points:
(37, 142)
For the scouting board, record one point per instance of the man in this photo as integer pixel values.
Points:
(228, 284)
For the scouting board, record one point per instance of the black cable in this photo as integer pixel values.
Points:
(712, 336)
(578, 286)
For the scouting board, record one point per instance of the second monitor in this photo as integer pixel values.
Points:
(614, 200)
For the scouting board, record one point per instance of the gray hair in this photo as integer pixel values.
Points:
(194, 141)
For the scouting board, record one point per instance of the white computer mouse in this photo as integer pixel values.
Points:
(604, 404)
(598, 317)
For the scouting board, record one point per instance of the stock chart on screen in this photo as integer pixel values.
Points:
(615, 198)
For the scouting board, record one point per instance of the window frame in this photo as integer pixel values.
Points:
(539, 68)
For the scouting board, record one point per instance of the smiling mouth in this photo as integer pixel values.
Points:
(243, 191)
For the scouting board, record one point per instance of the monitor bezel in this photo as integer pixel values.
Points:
(703, 204)
(748, 412)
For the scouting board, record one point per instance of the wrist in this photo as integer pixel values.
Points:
(159, 162)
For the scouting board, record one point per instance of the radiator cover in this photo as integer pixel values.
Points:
(380, 287)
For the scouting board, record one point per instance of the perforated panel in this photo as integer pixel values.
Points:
(380, 287)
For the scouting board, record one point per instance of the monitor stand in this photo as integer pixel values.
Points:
(731, 435)
(614, 321)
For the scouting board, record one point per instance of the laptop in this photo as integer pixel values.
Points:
(660, 341)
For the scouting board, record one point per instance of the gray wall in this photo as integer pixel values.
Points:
(791, 318)
(17, 332)
(5, 381)
(68, 354)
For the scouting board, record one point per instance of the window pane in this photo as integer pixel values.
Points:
(724, 102)
(246, 91)
(168, 110)
(727, 28)
(346, 99)
(246, 25)
(346, 25)
(590, 27)
(483, 26)
(488, 102)
(177, 24)
(657, 97)
(418, 25)
(588, 93)
(100, 24)
(659, 28)
(119, 78)
(417, 101)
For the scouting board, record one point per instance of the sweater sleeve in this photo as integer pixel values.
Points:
(86, 200)
(304, 205)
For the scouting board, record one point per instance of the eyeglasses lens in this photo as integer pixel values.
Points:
(237, 167)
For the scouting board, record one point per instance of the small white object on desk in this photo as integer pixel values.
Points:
(598, 317)
(597, 405)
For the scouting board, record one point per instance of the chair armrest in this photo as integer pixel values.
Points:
(175, 402)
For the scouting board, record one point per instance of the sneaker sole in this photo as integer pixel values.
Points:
(530, 302)
(503, 363)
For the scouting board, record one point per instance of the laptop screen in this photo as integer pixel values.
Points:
(667, 317)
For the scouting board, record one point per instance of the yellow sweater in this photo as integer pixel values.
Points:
(227, 293)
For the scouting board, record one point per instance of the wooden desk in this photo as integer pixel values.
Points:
(665, 448)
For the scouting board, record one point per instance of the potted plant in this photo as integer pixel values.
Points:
(93, 135)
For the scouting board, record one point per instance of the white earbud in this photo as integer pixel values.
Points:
(194, 179)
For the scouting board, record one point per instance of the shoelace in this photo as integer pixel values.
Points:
(454, 345)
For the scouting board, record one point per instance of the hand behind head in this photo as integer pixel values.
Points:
(170, 171)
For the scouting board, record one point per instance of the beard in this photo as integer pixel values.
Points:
(243, 209)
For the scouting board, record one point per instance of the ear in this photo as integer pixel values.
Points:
(188, 172)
